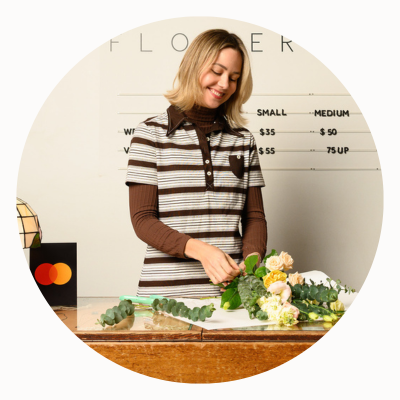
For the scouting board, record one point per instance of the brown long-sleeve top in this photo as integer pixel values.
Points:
(143, 203)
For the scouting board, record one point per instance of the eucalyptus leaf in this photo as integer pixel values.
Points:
(261, 315)
(202, 314)
(313, 292)
(109, 321)
(174, 311)
(118, 318)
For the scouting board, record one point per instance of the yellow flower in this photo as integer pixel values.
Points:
(274, 276)
(337, 306)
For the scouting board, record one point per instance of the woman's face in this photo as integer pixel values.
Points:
(218, 83)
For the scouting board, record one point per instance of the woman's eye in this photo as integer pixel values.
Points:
(219, 74)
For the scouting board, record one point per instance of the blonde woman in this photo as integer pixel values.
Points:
(194, 175)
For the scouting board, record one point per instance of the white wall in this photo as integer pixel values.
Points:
(324, 209)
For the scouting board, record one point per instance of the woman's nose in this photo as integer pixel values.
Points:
(223, 81)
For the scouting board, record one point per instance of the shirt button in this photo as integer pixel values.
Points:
(208, 173)
(207, 161)
(238, 157)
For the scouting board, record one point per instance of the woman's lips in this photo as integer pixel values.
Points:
(216, 93)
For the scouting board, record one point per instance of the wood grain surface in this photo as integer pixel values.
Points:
(142, 336)
(294, 336)
(199, 362)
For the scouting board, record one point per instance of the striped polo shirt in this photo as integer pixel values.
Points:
(202, 183)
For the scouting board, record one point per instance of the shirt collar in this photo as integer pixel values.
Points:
(176, 118)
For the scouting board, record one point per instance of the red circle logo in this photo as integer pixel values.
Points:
(47, 273)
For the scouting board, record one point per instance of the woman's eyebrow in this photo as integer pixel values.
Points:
(222, 66)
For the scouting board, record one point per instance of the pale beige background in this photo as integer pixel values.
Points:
(72, 169)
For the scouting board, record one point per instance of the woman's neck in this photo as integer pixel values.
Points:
(202, 114)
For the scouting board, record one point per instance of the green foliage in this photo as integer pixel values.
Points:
(250, 262)
(273, 253)
(320, 293)
(261, 315)
(347, 289)
(250, 290)
(171, 306)
(260, 272)
(116, 314)
(232, 297)
(311, 312)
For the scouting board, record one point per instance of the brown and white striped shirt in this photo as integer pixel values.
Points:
(202, 183)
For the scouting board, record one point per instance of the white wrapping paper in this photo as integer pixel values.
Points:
(239, 318)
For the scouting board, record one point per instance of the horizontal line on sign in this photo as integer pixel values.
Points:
(152, 113)
(257, 132)
(320, 169)
(253, 95)
(295, 112)
(322, 150)
(338, 132)
(307, 169)
(311, 150)
(244, 112)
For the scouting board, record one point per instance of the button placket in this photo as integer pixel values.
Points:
(204, 142)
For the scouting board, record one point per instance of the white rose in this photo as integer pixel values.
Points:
(274, 263)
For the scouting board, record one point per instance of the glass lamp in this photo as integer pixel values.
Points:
(28, 225)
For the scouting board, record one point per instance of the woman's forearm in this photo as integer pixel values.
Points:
(144, 216)
(254, 225)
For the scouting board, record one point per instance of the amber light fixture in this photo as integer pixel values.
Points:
(28, 225)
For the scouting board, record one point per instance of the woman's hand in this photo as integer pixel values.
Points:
(218, 265)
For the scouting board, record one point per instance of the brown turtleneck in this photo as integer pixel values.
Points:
(204, 118)
(143, 203)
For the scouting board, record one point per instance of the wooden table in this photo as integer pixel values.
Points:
(160, 346)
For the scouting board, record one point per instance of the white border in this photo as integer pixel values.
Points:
(43, 40)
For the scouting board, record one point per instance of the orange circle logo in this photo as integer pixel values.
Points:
(47, 273)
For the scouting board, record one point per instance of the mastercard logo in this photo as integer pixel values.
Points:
(47, 273)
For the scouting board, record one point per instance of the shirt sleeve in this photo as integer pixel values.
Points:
(254, 225)
(142, 156)
(255, 174)
(143, 205)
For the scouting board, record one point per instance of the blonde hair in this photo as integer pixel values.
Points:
(200, 55)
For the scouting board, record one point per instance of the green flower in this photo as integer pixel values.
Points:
(313, 316)
(337, 306)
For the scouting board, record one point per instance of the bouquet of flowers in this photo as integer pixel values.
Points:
(269, 293)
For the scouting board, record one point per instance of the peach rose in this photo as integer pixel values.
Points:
(294, 309)
(274, 276)
(282, 289)
(287, 260)
(274, 263)
(296, 278)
